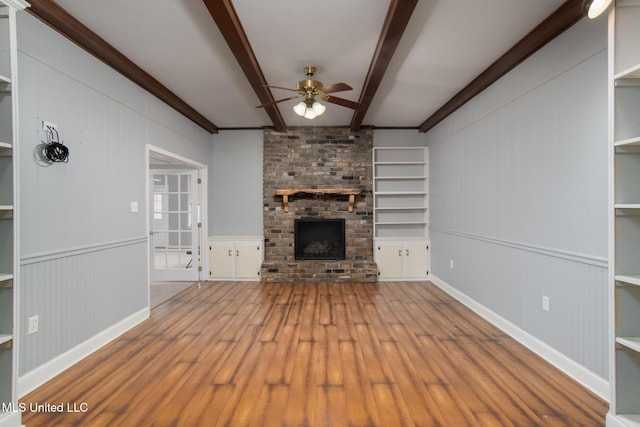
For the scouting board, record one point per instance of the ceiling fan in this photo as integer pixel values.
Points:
(309, 89)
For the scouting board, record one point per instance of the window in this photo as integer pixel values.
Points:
(157, 205)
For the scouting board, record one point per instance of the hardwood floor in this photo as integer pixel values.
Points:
(387, 354)
(162, 291)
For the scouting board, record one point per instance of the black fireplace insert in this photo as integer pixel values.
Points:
(319, 239)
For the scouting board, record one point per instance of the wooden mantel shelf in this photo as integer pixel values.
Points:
(285, 193)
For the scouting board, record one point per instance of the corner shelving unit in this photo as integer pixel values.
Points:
(400, 212)
(624, 229)
(9, 413)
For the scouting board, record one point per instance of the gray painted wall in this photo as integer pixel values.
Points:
(398, 138)
(518, 181)
(235, 186)
(83, 253)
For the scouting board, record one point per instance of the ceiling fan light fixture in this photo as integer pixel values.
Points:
(597, 7)
(310, 114)
(309, 110)
(300, 108)
(318, 108)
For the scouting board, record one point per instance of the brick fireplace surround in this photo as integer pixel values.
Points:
(320, 158)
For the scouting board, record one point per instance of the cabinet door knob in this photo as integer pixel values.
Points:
(399, 252)
(237, 252)
(229, 252)
(407, 252)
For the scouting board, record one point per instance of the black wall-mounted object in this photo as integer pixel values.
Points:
(54, 150)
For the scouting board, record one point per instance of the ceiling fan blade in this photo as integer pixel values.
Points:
(279, 100)
(336, 87)
(344, 102)
(280, 87)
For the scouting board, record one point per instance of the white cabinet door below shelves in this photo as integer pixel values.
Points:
(248, 260)
(415, 260)
(402, 260)
(389, 260)
(235, 259)
(221, 260)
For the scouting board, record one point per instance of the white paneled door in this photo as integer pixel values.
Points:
(175, 219)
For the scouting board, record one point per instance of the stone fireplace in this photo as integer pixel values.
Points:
(329, 173)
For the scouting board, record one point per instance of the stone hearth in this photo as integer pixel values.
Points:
(308, 158)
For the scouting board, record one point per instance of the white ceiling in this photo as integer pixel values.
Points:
(446, 44)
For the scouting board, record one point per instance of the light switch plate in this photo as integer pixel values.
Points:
(32, 324)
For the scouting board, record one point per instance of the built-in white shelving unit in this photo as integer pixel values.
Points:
(401, 215)
(9, 414)
(624, 230)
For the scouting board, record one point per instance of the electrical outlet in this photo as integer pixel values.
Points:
(32, 325)
(450, 263)
(545, 303)
(48, 125)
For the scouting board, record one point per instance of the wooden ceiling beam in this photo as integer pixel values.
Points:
(569, 13)
(395, 23)
(226, 18)
(60, 20)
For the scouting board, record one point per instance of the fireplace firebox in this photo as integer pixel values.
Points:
(318, 239)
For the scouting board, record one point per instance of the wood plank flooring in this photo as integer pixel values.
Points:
(251, 354)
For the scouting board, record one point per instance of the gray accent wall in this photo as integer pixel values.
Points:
(235, 186)
(83, 253)
(398, 138)
(518, 182)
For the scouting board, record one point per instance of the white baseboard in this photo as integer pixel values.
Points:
(593, 382)
(620, 421)
(40, 375)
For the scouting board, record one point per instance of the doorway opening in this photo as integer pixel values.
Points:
(176, 223)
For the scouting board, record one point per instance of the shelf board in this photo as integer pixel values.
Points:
(402, 223)
(628, 142)
(4, 79)
(5, 277)
(401, 193)
(632, 279)
(632, 343)
(627, 209)
(402, 208)
(4, 338)
(399, 163)
(398, 148)
(403, 238)
(5, 145)
(400, 178)
(629, 73)
(6, 208)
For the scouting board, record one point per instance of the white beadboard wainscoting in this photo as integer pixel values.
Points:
(505, 281)
(518, 198)
(77, 294)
